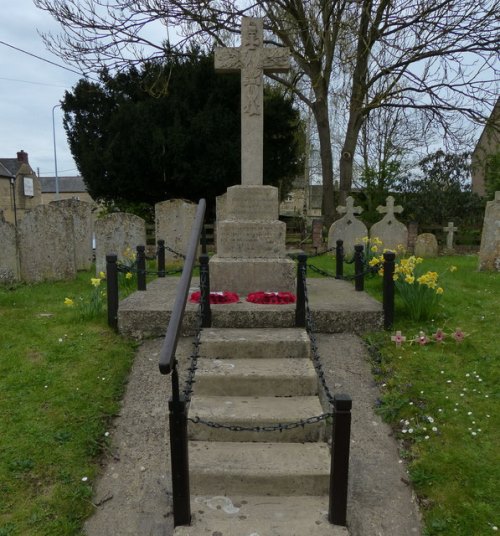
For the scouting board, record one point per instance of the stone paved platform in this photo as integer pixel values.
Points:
(336, 308)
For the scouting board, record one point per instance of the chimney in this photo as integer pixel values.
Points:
(22, 157)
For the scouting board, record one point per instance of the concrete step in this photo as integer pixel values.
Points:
(257, 515)
(255, 411)
(240, 343)
(218, 468)
(256, 376)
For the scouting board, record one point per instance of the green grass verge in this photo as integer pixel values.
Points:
(442, 399)
(61, 380)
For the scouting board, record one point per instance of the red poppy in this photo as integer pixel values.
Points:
(277, 298)
(216, 298)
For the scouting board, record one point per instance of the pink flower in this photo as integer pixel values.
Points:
(398, 338)
(439, 336)
(422, 339)
(458, 335)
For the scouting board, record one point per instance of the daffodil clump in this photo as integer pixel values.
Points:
(420, 291)
(127, 280)
(92, 306)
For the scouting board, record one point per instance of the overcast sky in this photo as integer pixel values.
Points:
(30, 88)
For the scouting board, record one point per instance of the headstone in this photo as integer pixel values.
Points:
(9, 260)
(174, 220)
(250, 238)
(489, 252)
(80, 213)
(45, 241)
(117, 233)
(393, 233)
(317, 233)
(348, 228)
(426, 246)
(450, 230)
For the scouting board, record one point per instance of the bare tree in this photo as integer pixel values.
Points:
(432, 55)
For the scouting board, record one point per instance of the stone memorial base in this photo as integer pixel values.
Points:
(251, 253)
(252, 274)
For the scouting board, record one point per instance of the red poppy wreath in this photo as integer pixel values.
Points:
(271, 297)
(216, 298)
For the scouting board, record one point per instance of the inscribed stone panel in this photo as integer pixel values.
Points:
(114, 234)
(252, 203)
(45, 239)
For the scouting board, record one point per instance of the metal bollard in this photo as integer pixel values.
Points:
(161, 258)
(206, 313)
(141, 268)
(339, 259)
(300, 306)
(112, 290)
(359, 278)
(339, 474)
(388, 289)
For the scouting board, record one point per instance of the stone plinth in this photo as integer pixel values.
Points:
(248, 239)
(251, 244)
(251, 275)
(252, 203)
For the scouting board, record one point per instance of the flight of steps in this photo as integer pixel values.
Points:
(251, 483)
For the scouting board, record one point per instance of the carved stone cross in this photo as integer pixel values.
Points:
(389, 208)
(449, 237)
(349, 210)
(253, 60)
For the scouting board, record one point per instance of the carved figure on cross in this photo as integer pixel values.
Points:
(389, 208)
(449, 237)
(253, 60)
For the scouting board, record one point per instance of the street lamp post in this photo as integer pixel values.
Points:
(55, 151)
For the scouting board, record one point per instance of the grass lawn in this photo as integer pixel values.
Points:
(442, 400)
(61, 380)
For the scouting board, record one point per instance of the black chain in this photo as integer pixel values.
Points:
(316, 358)
(175, 252)
(193, 366)
(280, 427)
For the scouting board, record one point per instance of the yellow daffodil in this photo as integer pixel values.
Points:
(128, 275)
(102, 275)
(69, 302)
(95, 281)
(439, 290)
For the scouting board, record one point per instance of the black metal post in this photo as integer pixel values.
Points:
(359, 278)
(141, 268)
(339, 259)
(112, 290)
(161, 258)
(300, 306)
(339, 474)
(388, 290)
(206, 313)
(179, 461)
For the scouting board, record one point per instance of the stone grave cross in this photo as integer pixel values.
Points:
(253, 60)
(390, 209)
(349, 210)
(449, 237)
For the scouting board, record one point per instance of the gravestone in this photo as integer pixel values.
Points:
(450, 230)
(250, 238)
(80, 213)
(489, 252)
(393, 233)
(114, 234)
(9, 260)
(426, 246)
(348, 228)
(174, 220)
(45, 241)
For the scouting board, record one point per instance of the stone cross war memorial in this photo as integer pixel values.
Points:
(251, 239)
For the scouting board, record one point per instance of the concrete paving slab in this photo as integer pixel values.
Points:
(259, 468)
(260, 377)
(260, 516)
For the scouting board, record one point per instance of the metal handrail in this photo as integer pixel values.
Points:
(167, 352)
